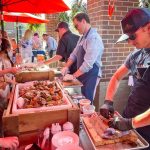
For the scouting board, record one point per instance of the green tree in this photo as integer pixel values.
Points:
(63, 17)
(40, 28)
(77, 6)
(144, 3)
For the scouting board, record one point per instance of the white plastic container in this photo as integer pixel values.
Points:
(55, 128)
(69, 147)
(62, 138)
(88, 109)
(84, 102)
(68, 126)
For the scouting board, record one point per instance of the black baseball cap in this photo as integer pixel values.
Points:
(133, 20)
(62, 25)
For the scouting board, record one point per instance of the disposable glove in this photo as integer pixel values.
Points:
(122, 124)
(64, 71)
(107, 109)
(68, 77)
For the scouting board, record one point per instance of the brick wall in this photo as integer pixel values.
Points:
(51, 26)
(110, 30)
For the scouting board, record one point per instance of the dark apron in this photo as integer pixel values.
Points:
(87, 79)
(139, 102)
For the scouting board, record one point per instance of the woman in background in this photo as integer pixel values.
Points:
(26, 45)
(5, 63)
(5, 79)
(37, 45)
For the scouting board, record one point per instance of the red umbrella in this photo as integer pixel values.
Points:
(33, 6)
(23, 17)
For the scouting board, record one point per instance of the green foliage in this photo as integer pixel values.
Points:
(40, 28)
(63, 17)
(34, 27)
(77, 6)
(144, 3)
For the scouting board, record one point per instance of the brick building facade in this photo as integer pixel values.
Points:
(50, 28)
(114, 54)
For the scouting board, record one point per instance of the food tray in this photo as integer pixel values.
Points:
(70, 84)
(141, 143)
(16, 110)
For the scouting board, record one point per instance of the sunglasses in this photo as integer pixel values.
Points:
(76, 26)
(132, 37)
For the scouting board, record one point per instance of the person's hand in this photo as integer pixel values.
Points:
(9, 142)
(64, 71)
(122, 124)
(107, 109)
(40, 64)
(68, 77)
(14, 70)
(18, 58)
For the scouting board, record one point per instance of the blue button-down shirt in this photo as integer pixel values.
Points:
(93, 47)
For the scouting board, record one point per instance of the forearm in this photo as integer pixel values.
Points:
(114, 82)
(142, 120)
(2, 72)
(78, 73)
(1, 142)
(112, 88)
(53, 59)
(69, 63)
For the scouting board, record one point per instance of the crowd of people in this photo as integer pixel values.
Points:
(82, 56)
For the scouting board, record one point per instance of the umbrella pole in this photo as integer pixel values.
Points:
(17, 37)
(2, 18)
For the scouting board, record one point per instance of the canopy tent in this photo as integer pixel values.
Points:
(32, 6)
(23, 18)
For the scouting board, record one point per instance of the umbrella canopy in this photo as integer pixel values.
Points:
(33, 6)
(23, 18)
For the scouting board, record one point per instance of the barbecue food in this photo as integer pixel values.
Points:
(97, 127)
(41, 93)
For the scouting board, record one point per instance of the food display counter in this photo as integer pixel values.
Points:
(26, 123)
(49, 102)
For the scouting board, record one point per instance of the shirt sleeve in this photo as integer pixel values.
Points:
(61, 49)
(49, 43)
(127, 62)
(93, 48)
(73, 55)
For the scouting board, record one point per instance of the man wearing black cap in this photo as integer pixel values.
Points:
(136, 31)
(66, 44)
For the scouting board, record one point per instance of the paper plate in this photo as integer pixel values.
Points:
(69, 147)
(65, 137)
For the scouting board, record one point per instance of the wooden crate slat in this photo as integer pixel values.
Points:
(35, 121)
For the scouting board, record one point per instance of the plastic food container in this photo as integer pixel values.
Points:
(68, 126)
(63, 138)
(88, 109)
(69, 147)
(84, 102)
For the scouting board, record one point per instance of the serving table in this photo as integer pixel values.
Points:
(27, 126)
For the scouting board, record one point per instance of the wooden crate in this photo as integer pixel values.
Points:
(27, 126)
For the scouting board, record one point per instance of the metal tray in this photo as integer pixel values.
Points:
(141, 143)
